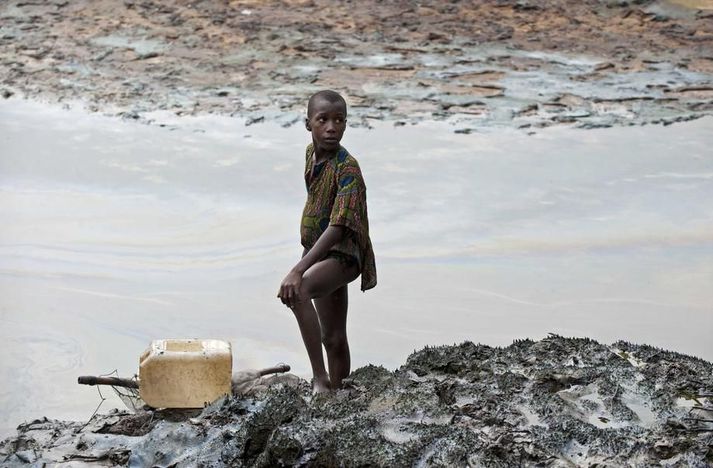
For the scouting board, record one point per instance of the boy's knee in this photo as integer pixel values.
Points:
(308, 289)
(334, 341)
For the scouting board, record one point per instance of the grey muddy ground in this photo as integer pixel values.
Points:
(554, 402)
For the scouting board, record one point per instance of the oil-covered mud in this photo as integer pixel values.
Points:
(555, 402)
(590, 63)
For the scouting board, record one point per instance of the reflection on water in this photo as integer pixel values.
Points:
(115, 233)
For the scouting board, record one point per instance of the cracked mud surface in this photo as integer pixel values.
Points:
(476, 64)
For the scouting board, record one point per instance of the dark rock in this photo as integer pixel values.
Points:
(604, 66)
(147, 55)
(133, 115)
(434, 36)
(254, 120)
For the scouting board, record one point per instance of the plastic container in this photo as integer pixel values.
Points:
(185, 373)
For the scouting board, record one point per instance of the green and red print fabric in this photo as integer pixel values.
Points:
(336, 195)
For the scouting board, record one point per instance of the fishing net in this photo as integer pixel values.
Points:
(130, 397)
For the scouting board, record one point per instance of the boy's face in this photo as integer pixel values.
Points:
(327, 124)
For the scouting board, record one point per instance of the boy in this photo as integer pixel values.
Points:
(335, 236)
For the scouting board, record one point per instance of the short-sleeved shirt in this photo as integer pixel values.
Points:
(336, 195)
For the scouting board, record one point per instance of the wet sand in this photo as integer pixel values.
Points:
(118, 232)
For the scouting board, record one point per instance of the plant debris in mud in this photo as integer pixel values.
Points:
(555, 402)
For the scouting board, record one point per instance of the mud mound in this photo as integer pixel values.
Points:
(552, 403)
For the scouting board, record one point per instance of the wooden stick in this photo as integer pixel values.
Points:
(703, 408)
(699, 420)
(113, 381)
(274, 370)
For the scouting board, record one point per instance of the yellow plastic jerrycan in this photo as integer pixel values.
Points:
(185, 373)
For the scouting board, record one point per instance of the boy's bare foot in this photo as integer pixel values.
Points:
(321, 385)
(348, 384)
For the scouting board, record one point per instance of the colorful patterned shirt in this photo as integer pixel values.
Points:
(336, 195)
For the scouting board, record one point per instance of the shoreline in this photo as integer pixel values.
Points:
(505, 64)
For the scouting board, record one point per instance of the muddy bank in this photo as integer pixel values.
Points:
(479, 63)
(554, 402)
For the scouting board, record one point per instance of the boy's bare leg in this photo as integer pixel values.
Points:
(311, 336)
(332, 312)
(320, 280)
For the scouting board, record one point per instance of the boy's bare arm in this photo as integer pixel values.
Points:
(289, 289)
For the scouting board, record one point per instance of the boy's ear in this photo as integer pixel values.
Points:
(307, 125)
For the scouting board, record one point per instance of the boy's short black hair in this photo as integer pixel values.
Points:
(328, 95)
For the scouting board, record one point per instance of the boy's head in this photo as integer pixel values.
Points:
(326, 120)
(325, 95)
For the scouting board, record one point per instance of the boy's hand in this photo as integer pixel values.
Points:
(289, 289)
